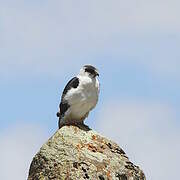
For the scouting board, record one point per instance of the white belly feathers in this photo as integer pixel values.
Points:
(83, 98)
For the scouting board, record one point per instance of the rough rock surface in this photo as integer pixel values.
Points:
(75, 153)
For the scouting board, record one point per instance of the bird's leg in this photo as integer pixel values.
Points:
(63, 122)
(80, 123)
(84, 117)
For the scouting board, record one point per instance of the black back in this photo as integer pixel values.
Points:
(73, 83)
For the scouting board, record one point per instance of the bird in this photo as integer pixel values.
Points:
(79, 97)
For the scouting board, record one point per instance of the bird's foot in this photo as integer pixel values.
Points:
(79, 124)
(82, 126)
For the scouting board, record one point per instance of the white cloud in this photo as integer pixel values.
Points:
(46, 36)
(18, 146)
(149, 134)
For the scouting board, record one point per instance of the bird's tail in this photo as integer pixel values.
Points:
(61, 120)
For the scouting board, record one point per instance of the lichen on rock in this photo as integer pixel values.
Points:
(76, 153)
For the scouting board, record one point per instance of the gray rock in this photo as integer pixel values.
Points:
(80, 153)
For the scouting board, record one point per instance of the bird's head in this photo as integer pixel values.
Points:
(89, 70)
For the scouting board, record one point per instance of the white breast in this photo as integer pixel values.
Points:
(83, 98)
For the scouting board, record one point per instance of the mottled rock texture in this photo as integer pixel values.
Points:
(77, 153)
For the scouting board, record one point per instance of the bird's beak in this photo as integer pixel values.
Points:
(97, 74)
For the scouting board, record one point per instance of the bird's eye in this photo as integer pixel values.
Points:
(91, 71)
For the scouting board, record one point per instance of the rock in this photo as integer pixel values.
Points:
(80, 153)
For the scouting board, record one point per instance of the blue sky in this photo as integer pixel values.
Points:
(135, 46)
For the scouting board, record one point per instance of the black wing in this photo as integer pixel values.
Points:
(73, 83)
